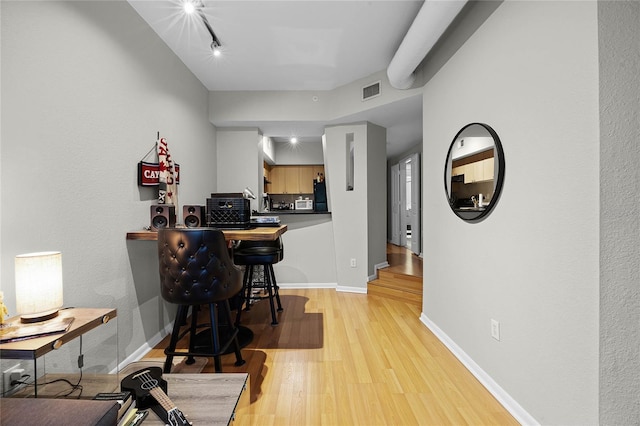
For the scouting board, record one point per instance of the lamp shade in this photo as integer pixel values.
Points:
(38, 285)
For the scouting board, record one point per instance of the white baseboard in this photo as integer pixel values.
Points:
(298, 286)
(347, 289)
(384, 264)
(500, 394)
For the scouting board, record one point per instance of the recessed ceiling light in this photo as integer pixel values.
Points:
(189, 7)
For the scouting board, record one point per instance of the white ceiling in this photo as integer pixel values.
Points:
(294, 45)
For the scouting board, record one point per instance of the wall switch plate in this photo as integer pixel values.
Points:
(495, 329)
(353, 262)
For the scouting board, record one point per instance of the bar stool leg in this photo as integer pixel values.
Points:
(192, 334)
(215, 340)
(249, 287)
(234, 333)
(275, 287)
(175, 334)
(244, 299)
(268, 282)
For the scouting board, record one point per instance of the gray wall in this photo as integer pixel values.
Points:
(530, 72)
(299, 153)
(619, 39)
(85, 88)
(240, 162)
(348, 208)
(376, 198)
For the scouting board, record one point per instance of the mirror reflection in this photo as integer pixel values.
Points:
(474, 171)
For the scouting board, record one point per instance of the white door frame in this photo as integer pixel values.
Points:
(395, 204)
(403, 202)
(414, 219)
(400, 217)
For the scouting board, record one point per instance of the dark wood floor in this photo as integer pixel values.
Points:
(403, 261)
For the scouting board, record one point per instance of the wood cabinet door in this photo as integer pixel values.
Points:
(469, 173)
(488, 165)
(277, 178)
(292, 179)
(306, 177)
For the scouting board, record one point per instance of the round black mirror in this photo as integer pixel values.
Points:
(474, 171)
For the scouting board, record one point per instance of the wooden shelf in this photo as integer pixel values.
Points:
(264, 233)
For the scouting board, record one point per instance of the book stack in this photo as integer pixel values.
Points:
(265, 220)
(15, 331)
(128, 414)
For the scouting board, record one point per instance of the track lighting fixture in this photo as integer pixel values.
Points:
(196, 6)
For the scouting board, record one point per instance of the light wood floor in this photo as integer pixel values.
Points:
(354, 359)
(402, 279)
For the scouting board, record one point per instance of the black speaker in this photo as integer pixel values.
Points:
(163, 216)
(193, 216)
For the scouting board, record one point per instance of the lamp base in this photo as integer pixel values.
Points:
(39, 317)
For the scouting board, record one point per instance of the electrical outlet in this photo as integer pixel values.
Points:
(495, 329)
(353, 262)
(9, 375)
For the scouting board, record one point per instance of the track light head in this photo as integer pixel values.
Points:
(215, 47)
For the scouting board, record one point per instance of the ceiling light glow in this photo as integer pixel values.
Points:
(189, 7)
(294, 140)
(215, 48)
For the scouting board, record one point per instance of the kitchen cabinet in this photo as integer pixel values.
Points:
(488, 166)
(475, 171)
(306, 178)
(293, 179)
(277, 178)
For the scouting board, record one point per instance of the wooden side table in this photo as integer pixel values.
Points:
(85, 320)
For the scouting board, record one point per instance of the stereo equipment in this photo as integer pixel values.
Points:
(228, 210)
(193, 216)
(163, 216)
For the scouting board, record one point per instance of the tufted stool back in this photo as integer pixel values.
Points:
(195, 267)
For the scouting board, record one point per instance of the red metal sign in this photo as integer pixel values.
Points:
(148, 173)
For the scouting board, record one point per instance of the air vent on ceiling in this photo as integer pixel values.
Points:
(371, 91)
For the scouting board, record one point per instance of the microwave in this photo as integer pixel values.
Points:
(303, 204)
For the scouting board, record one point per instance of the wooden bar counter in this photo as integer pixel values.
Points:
(263, 233)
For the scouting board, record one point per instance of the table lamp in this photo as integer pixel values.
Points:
(38, 285)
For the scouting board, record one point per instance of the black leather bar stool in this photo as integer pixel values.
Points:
(265, 254)
(196, 269)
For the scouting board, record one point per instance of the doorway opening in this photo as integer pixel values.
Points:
(406, 204)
